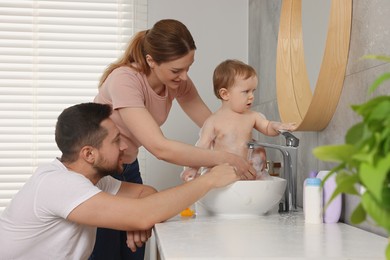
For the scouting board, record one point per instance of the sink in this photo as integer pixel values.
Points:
(243, 198)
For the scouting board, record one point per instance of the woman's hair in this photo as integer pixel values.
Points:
(226, 72)
(167, 40)
(78, 126)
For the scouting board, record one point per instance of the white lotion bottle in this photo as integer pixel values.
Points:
(312, 174)
(312, 204)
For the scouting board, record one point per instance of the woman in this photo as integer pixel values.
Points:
(141, 86)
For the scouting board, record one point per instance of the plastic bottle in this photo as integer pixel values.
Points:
(312, 201)
(333, 211)
(312, 174)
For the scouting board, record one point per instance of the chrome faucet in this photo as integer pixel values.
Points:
(289, 152)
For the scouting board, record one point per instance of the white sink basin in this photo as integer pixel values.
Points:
(244, 198)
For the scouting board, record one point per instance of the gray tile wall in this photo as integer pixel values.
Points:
(370, 35)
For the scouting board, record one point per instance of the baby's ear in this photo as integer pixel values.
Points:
(224, 93)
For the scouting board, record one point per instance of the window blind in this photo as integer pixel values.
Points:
(52, 54)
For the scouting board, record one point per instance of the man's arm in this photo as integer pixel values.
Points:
(135, 190)
(136, 238)
(124, 213)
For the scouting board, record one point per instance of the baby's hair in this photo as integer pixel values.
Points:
(226, 72)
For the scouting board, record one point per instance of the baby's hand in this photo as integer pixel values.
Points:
(286, 127)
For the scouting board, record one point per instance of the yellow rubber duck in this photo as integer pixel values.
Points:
(187, 212)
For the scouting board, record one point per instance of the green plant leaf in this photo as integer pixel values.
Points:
(366, 108)
(334, 153)
(358, 215)
(380, 111)
(365, 158)
(373, 176)
(346, 184)
(378, 214)
(330, 173)
(355, 134)
(376, 57)
(378, 81)
(386, 140)
(386, 196)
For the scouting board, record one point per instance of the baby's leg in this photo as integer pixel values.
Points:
(258, 162)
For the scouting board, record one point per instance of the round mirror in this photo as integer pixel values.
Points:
(315, 20)
(311, 107)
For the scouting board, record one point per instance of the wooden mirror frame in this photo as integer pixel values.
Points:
(296, 102)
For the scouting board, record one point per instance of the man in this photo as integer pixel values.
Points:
(55, 214)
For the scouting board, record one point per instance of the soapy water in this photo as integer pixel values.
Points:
(256, 156)
(250, 152)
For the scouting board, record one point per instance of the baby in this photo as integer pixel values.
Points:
(230, 127)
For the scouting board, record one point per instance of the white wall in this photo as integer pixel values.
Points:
(220, 31)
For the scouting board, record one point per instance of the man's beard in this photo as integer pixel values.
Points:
(104, 169)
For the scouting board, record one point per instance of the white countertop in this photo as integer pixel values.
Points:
(277, 236)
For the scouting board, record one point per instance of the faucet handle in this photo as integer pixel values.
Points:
(253, 144)
(291, 140)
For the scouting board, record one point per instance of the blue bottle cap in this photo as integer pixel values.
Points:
(313, 182)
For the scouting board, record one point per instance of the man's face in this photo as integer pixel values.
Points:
(109, 159)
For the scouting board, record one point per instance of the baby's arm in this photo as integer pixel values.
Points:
(271, 128)
(206, 140)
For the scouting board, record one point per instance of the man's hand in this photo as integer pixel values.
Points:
(137, 238)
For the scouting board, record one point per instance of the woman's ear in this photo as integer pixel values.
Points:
(224, 94)
(149, 61)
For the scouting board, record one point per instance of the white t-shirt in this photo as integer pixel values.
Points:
(34, 224)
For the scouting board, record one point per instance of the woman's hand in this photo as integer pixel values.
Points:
(244, 169)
